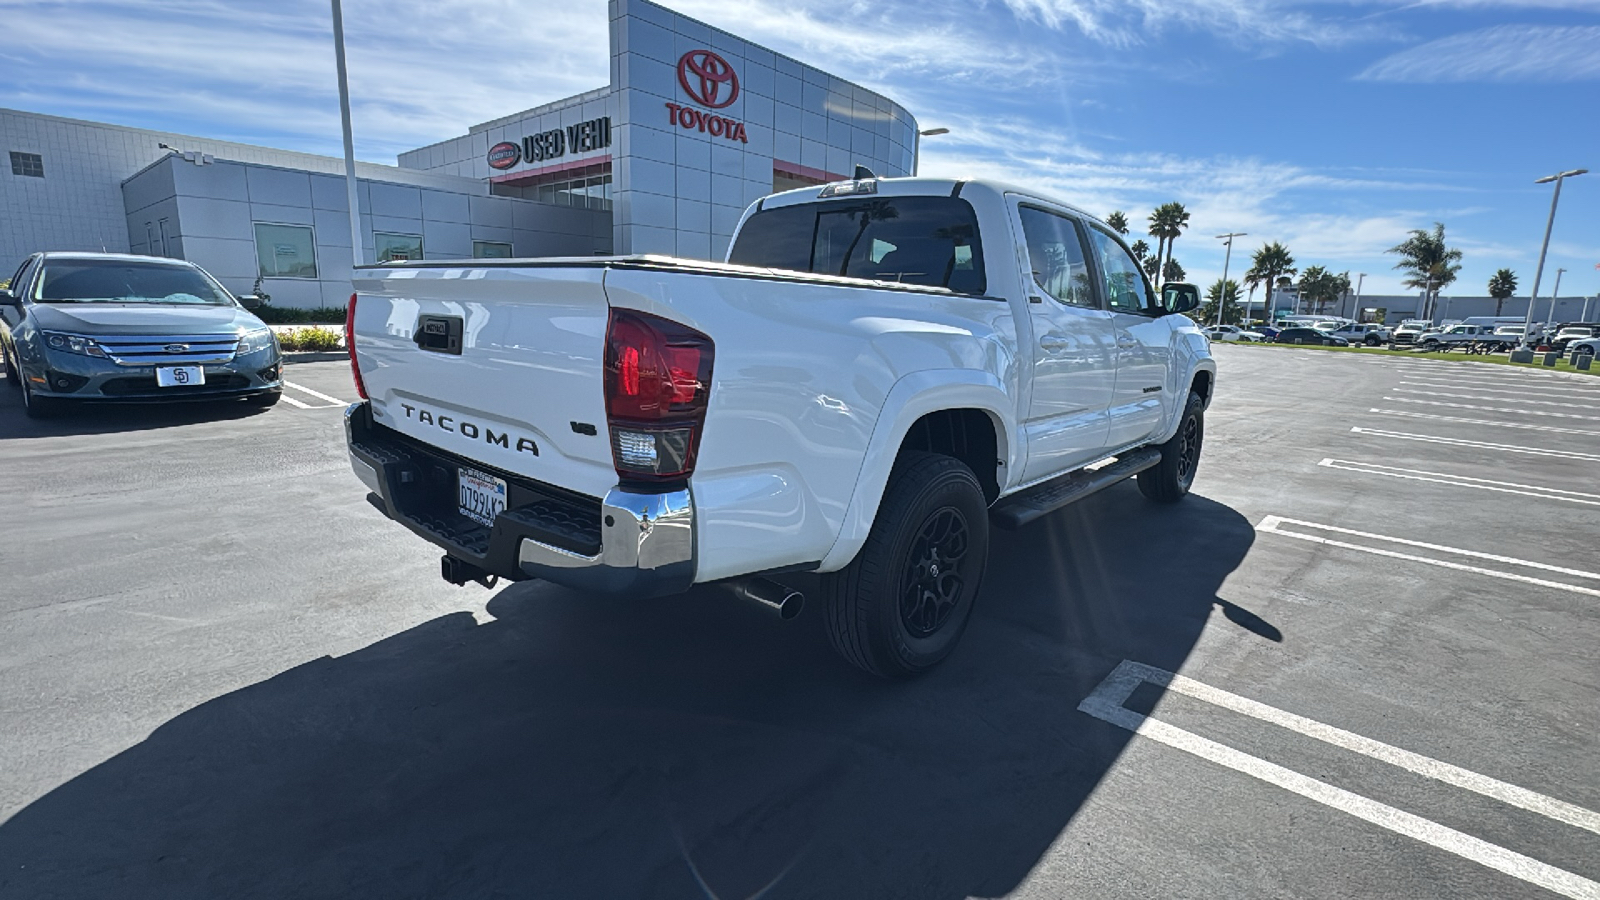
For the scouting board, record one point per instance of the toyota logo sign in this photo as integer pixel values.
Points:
(504, 155)
(703, 75)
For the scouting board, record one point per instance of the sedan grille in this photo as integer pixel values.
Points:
(147, 350)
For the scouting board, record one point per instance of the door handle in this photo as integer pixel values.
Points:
(1127, 340)
(1054, 342)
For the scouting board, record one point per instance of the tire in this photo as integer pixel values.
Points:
(1430, 346)
(1169, 480)
(1581, 351)
(933, 505)
(1372, 341)
(40, 407)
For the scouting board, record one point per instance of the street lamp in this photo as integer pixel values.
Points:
(349, 142)
(1555, 295)
(1222, 295)
(1527, 325)
(1361, 278)
(916, 152)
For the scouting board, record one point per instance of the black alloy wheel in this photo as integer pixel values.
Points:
(1169, 480)
(932, 583)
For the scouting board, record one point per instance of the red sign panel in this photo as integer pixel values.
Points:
(504, 155)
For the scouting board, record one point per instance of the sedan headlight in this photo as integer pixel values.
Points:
(72, 343)
(253, 341)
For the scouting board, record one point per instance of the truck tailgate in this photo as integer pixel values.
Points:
(500, 365)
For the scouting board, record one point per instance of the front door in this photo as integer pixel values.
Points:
(1072, 344)
(1143, 339)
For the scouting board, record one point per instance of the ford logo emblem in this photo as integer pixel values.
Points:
(177, 348)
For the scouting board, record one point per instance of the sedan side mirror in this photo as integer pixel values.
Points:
(1179, 297)
(9, 299)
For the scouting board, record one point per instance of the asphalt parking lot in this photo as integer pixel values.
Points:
(1360, 661)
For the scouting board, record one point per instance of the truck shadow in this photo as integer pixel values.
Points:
(688, 747)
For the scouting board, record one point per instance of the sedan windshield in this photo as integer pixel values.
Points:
(125, 281)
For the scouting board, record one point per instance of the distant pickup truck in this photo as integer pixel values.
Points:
(881, 369)
(1454, 336)
(1369, 333)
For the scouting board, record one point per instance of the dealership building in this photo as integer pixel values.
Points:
(695, 125)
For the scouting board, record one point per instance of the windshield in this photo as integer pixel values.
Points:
(930, 241)
(126, 281)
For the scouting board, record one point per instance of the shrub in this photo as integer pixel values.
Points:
(290, 315)
(310, 340)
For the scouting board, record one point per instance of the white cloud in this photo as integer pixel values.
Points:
(1259, 23)
(1503, 53)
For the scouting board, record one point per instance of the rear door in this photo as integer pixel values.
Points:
(501, 365)
(1143, 343)
(1067, 419)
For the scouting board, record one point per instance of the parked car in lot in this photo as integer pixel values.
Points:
(1584, 347)
(1572, 331)
(1233, 333)
(1300, 335)
(1506, 337)
(1454, 336)
(878, 373)
(1408, 331)
(1267, 332)
(1370, 333)
(103, 327)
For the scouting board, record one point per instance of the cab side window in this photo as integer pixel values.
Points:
(18, 280)
(1126, 289)
(1055, 254)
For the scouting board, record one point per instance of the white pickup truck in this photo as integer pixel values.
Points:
(881, 369)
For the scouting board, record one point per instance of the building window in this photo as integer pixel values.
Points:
(592, 192)
(396, 246)
(164, 249)
(150, 239)
(30, 165)
(490, 250)
(286, 251)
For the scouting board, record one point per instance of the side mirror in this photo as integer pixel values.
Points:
(9, 299)
(251, 301)
(1179, 297)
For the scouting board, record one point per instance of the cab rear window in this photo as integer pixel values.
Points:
(930, 241)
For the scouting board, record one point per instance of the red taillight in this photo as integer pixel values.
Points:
(350, 345)
(657, 382)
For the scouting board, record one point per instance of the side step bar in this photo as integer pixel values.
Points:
(1019, 509)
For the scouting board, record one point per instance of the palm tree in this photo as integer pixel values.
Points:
(1172, 271)
(1167, 223)
(1228, 296)
(1501, 286)
(1321, 287)
(1429, 263)
(1118, 220)
(1267, 265)
(1140, 250)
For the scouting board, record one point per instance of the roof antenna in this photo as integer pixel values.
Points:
(863, 172)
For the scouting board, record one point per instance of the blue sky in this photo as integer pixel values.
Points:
(1333, 127)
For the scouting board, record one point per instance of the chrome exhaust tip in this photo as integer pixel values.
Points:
(785, 601)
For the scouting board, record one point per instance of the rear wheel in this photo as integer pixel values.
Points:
(1430, 346)
(901, 605)
(1372, 340)
(1169, 480)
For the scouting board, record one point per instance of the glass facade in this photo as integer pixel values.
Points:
(285, 251)
(389, 246)
(490, 250)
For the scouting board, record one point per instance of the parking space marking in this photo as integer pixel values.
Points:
(1502, 389)
(296, 403)
(334, 401)
(1522, 425)
(1500, 409)
(1482, 484)
(1274, 525)
(1483, 445)
(1107, 704)
(1522, 399)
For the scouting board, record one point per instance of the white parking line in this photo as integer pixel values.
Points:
(1522, 399)
(1502, 389)
(1482, 484)
(317, 394)
(1482, 445)
(293, 402)
(1106, 704)
(1500, 409)
(1522, 425)
(1274, 525)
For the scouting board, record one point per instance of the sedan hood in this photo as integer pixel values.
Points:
(142, 318)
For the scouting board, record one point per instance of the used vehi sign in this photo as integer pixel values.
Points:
(710, 81)
(582, 137)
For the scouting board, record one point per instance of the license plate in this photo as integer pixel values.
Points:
(483, 496)
(180, 376)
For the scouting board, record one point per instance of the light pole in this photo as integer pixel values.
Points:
(349, 141)
(1555, 295)
(916, 152)
(1361, 278)
(1527, 325)
(1222, 295)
